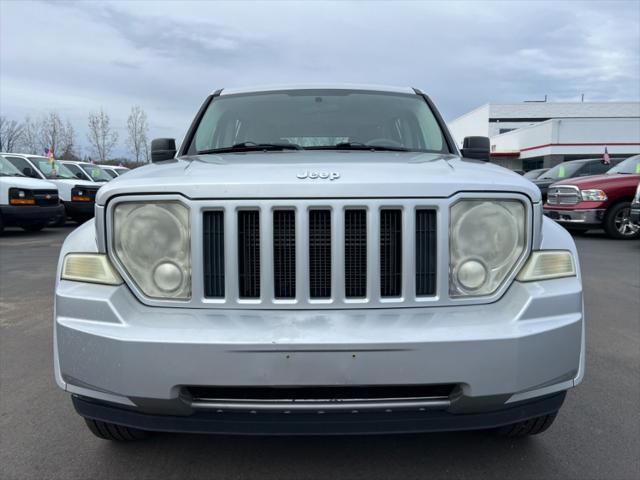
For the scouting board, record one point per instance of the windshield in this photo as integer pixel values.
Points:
(531, 174)
(630, 165)
(52, 170)
(77, 171)
(8, 170)
(563, 170)
(111, 173)
(320, 119)
(96, 173)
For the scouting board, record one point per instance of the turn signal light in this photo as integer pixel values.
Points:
(78, 198)
(22, 201)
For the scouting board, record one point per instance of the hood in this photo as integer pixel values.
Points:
(599, 180)
(74, 182)
(318, 174)
(28, 183)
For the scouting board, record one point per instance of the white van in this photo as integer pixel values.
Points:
(114, 171)
(26, 202)
(77, 196)
(87, 171)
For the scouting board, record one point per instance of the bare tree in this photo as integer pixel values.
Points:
(10, 134)
(30, 142)
(101, 137)
(67, 150)
(52, 133)
(137, 129)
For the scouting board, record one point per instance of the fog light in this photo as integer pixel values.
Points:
(167, 276)
(89, 267)
(471, 274)
(548, 264)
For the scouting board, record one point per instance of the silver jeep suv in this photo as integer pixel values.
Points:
(318, 261)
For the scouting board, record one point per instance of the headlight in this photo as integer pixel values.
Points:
(152, 241)
(18, 196)
(593, 195)
(487, 237)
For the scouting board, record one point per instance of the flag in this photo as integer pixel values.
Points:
(50, 156)
(605, 158)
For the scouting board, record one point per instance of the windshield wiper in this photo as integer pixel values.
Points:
(359, 146)
(252, 147)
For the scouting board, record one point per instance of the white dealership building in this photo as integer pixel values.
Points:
(532, 135)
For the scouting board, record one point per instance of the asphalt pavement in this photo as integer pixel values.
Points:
(596, 434)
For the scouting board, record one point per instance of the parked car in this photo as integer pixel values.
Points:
(602, 201)
(77, 196)
(26, 202)
(114, 171)
(87, 171)
(572, 169)
(318, 260)
(533, 174)
(635, 207)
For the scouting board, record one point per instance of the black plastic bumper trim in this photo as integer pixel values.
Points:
(228, 423)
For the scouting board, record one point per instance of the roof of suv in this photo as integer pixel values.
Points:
(345, 86)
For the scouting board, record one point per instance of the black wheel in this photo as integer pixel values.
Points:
(618, 222)
(1, 225)
(33, 227)
(116, 433)
(525, 428)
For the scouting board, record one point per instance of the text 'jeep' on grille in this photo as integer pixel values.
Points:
(318, 260)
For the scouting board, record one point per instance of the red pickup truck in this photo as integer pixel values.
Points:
(599, 201)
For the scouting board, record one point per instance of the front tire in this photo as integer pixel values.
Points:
(113, 432)
(618, 223)
(533, 426)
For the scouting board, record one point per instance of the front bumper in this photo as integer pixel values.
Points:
(111, 348)
(79, 210)
(30, 214)
(586, 218)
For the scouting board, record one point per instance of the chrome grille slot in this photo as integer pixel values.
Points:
(569, 195)
(213, 236)
(390, 252)
(284, 254)
(355, 253)
(249, 253)
(425, 252)
(320, 253)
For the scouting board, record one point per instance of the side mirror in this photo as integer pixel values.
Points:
(28, 172)
(79, 176)
(163, 149)
(477, 147)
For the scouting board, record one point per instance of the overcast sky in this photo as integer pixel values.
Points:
(166, 57)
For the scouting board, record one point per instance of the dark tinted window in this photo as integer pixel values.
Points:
(595, 168)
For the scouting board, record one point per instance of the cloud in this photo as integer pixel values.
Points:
(166, 57)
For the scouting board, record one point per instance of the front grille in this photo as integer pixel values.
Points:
(390, 253)
(355, 253)
(309, 253)
(213, 236)
(249, 253)
(425, 252)
(284, 253)
(45, 197)
(320, 253)
(563, 196)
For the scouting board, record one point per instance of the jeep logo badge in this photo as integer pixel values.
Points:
(321, 175)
